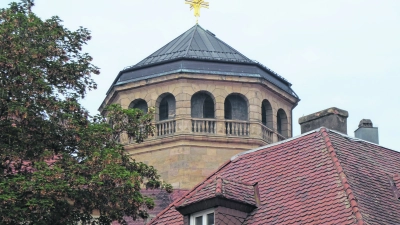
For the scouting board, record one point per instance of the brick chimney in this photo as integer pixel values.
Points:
(367, 132)
(332, 118)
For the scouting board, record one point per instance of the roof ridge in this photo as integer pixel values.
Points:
(191, 39)
(274, 144)
(191, 193)
(230, 47)
(359, 140)
(159, 49)
(342, 176)
(195, 29)
(192, 190)
(302, 135)
(219, 188)
(238, 182)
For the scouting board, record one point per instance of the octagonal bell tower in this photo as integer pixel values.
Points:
(211, 102)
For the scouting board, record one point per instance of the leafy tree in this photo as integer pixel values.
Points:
(57, 163)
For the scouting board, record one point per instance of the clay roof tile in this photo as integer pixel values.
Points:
(321, 177)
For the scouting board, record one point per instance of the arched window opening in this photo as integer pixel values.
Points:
(208, 108)
(202, 106)
(263, 115)
(266, 114)
(228, 109)
(279, 124)
(167, 107)
(139, 104)
(164, 109)
(236, 107)
(282, 123)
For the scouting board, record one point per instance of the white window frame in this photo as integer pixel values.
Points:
(201, 213)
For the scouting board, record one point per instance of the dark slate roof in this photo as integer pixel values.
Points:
(195, 43)
(199, 51)
(320, 177)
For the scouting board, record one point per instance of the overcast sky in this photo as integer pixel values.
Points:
(343, 53)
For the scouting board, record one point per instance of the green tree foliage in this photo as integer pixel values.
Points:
(57, 163)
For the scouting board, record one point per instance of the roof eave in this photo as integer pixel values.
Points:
(213, 202)
(254, 63)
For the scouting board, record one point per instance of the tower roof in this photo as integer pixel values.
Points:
(199, 51)
(195, 43)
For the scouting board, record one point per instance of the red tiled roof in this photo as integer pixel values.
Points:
(321, 177)
(367, 167)
(240, 192)
(396, 179)
(228, 189)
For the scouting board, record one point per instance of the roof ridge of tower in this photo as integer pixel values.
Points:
(191, 39)
(164, 46)
(212, 35)
(195, 43)
(232, 48)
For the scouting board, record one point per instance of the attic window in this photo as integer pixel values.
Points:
(205, 217)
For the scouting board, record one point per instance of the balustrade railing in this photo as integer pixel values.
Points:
(267, 133)
(141, 131)
(204, 126)
(237, 128)
(209, 126)
(280, 137)
(165, 127)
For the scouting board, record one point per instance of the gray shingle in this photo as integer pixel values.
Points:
(196, 43)
(199, 51)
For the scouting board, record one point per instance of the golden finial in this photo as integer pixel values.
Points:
(197, 5)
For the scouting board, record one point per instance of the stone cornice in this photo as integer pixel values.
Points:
(221, 78)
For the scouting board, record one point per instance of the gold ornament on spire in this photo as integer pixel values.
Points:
(197, 5)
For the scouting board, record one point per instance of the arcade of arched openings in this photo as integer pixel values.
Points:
(202, 105)
(139, 104)
(236, 119)
(282, 123)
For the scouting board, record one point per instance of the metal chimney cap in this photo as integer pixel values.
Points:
(365, 123)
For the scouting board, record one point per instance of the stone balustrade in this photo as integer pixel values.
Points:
(165, 127)
(280, 137)
(267, 133)
(237, 128)
(207, 126)
(215, 128)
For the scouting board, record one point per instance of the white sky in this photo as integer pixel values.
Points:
(343, 53)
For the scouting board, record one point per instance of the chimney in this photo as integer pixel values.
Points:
(367, 132)
(332, 118)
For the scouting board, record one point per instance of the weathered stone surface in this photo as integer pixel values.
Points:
(185, 158)
(332, 118)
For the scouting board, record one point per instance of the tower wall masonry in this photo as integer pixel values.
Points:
(185, 150)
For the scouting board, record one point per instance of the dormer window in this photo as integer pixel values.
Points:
(205, 217)
(219, 200)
